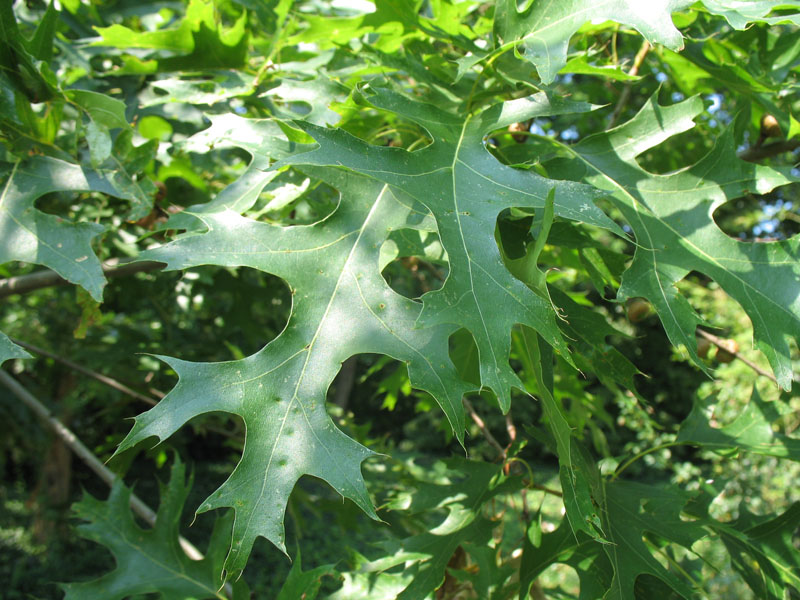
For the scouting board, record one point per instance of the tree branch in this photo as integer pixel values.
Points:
(112, 383)
(484, 430)
(626, 91)
(719, 343)
(756, 153)
(82, 452)
(114, 267)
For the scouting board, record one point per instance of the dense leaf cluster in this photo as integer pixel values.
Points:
(465, 195)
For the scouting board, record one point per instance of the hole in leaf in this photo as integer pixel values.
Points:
(251, 308)
(383, 128)
(674, 153)
(413, 262)
(559, 580)
(514, 231)
(773, 216)
(464, 354)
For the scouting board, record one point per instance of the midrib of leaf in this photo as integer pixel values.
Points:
(310, 348)
(461, 235)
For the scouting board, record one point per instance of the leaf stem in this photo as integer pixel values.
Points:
(633, 459)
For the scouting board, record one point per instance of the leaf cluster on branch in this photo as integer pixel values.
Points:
(432, 187)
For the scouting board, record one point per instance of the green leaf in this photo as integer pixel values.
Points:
(631, 513)
(303, 584)
(750, 431)
(9, 350)
(263, 139)
(580, 65)
(425, 556)
(580, 479)
(543, 29)
(368, 584)
(395, 22)
(671, 217)
(341, 307)
(763, 550)
(580, 552)
(149, 560)
(466, 188)
(102, 109)
(199, 42)
(741, 14)
(215, 86)
(41, 44)
(29, 73)
(30, 235)
(99, 143)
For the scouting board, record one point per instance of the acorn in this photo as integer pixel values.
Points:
(703, 346)
(637, 309)
(519, 130)
(727, 351)
(770, 127)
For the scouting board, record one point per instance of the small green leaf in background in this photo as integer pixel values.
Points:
(543, 29)
(751, 431)
(9, 350)
(33, 236)
(150, 560)
(198, 42)
(303, 584)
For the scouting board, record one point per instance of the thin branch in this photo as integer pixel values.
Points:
(626, 91)
(82, 452)
(112, 383)
(511, 429)
(544, 488)
(757, 152)
(484, 430)
(23, 284)
(116, 384)
(720, 343)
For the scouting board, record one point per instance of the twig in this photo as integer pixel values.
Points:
(544, 488)
(482, 426)
(82, 452)
(502, 451)
(626, 91)
(23, 284)
(511, 428)
(112, 383)
(116, 384)
(756, 153)
(719, 343)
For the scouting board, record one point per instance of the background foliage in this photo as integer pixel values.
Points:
(453, 262)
